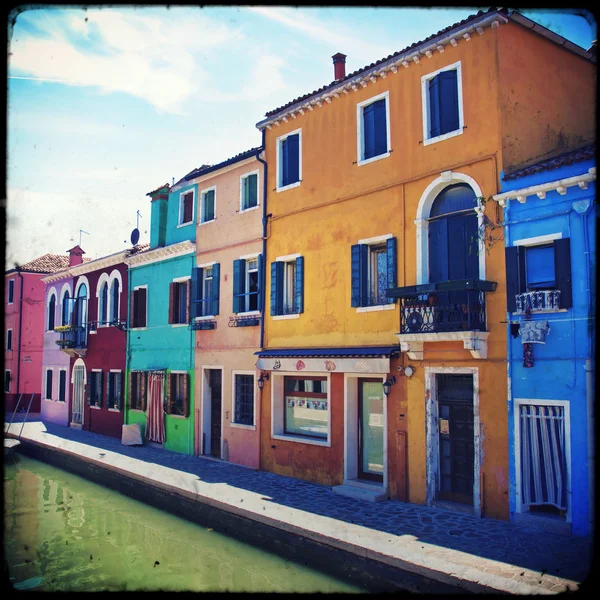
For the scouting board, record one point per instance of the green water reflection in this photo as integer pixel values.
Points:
(64, 533)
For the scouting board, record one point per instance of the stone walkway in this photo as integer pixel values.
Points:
(490, 552)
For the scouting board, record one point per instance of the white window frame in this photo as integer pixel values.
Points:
(101, 391)
(242, 178)
(139, 287)
(425, 79)
(360, 126)
(46, 384)
(114, 275)
(374, 241)
(277, 408)
(108, 388)
(103, 279)
(279, 140)
(58, 385)
(201, 221)
(232, 423)
(203, 267)
(11, 339)
(180, 215)
(517, 432)
(7, 391)
(65, 288)
(182, 280)
(11, 283)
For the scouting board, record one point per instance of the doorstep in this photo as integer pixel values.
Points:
(361, 490)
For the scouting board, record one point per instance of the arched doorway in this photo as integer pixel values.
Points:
(78, 379)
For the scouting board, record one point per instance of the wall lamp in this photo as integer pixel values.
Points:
(387, 385)
(261, 380)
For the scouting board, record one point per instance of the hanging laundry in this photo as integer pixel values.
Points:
(534, 332)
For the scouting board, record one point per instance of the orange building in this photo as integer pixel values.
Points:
(385, 335)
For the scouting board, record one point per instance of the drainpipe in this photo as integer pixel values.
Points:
(263, 287)
(20, 333)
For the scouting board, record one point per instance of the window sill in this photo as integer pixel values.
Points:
(138, 329)
(377, 307)
(137, 410)
(540, 311)
(251, 313)
(117, 410)
(289, 186)
(366, 161)
(245, 210)
(241, 426)
(45, 399)
(185, 224)
(176, 416)
(206, 318)
(206, 222)
(284, 317)
(96, 407)
(301, 440)
(443, 137)
(92, 332)
(179, 324)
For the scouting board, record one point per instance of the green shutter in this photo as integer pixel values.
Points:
(239, 272)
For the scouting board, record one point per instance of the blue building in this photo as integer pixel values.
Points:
(550, 217)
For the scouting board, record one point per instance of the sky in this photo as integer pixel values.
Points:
(107, 104)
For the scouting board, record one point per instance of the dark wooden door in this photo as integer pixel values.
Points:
(215, 412)
(456, 437)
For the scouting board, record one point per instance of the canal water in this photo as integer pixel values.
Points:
(65, 533)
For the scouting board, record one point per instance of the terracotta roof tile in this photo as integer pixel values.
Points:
(48, 263)
(587, 152)
(378, 62)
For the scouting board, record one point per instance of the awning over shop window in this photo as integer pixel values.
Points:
(375, 359)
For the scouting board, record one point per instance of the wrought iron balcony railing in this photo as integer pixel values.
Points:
(443, 306)
(73, 337)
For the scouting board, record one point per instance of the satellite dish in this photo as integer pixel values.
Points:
(135, 236)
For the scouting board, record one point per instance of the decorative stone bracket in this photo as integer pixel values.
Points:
(474, 341)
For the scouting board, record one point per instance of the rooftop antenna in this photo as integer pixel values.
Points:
(80, 232)
(172, 181)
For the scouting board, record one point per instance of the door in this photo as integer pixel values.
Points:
(456, 438)
(78, 394)
(215, 412)
(370, 429)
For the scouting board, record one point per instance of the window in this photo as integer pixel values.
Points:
(287, 286)
(95, 388)
(103, 303)
(11, 291)
(139, 300)
(249, 191)
(7, 381)
(113, 390)
(373, 271)
(66, 309)
(306, 407)
(289, 160)
(186, 208)
(177, 395)
(373, 128)
(243, 401)
(48, 389)
(9, 339)
(62, 385)
(207, 212)
(205, 290)
(51, 312)
(442, 103)
(179, 293)
(137, 390)
(115, 295)
(538, 272)
(246, 283)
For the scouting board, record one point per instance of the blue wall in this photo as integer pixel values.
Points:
(185, 232)
(559, 364)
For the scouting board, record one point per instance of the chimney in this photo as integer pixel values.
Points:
(339, 66)
(75, 256)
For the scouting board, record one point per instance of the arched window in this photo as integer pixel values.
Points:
(114, 306)
(51, 312)
(81, 306)
(66, 307)
(103, 303)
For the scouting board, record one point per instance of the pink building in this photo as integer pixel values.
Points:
(24, 329)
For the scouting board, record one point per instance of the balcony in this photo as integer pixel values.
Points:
(441, 312)
(73, 339)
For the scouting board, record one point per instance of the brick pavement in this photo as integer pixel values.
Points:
(491, 552)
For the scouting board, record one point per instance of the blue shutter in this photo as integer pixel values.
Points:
(434, 107)
(391, 266)
(448, 101)
(369, 131)
(299, 300)
(239, 269)
(196, 292)
(360, 265)
(355, 268)
(562, 270)
(438, 250)
(515, 275)
(277, 288)
(380, 127)
(293, 159)
(252, 190)
(216, 285)
(259, 303)
(284, 162)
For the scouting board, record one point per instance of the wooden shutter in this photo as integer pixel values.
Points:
(216, 286)
(391, 265)
(379, 122)
(142, 298)
(562, 270)
(100, 388)
(299, 300)
(196, 288)
(284, 156)
(448, 91)
(132, 310)
(252, 190)
(434, 107)
(186, 396)
(359, 269)
(369, 131)
(515, 275)
(438, 250)
(259, 302)
(143, 376)
(239, 276)
(293, 154)
(277, 270)
(187, 207)
(172, 302)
